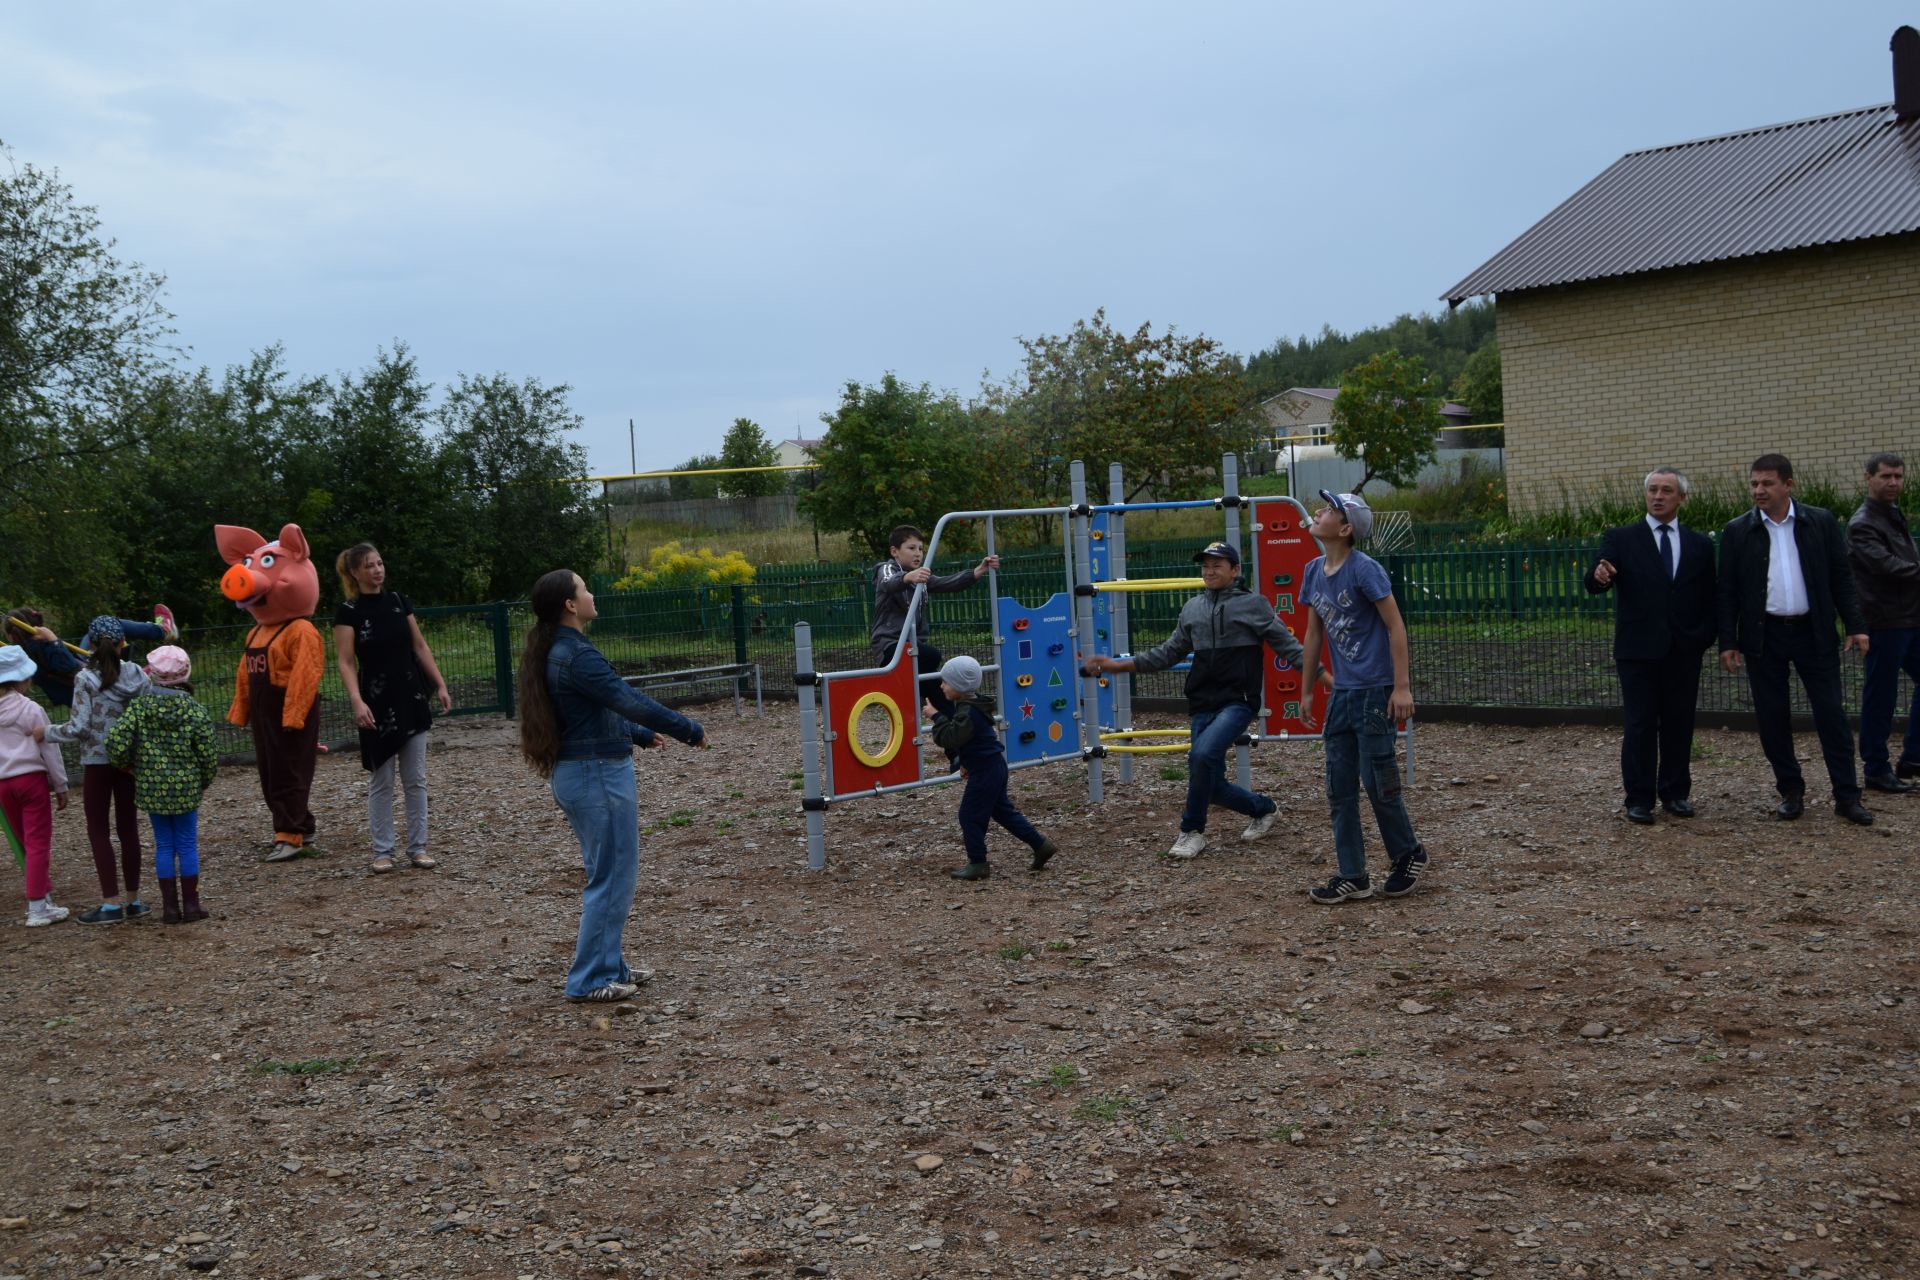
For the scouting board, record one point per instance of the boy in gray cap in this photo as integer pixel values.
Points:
(966, 734)
(1353, 607)
(1225, 628)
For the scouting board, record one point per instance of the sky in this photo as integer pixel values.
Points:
(691, 213)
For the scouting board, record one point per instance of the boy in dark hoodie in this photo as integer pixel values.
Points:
(1225, 628)
(967, 735)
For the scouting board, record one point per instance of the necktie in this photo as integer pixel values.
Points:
(1666, 550)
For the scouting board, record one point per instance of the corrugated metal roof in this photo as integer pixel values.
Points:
(1853, 176)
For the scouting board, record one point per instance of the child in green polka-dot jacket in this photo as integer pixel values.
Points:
(165, 738)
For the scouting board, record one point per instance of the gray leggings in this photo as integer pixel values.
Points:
(412, 767)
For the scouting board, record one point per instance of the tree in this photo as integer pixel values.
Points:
(1387, 413)
(1166, 408)
(81, 333)
(1478, 388)
(896, 454)
(1445, 342)
(696, 486)
(746, 445)
(506, 447)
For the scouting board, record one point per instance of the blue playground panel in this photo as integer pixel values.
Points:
(1037, 680)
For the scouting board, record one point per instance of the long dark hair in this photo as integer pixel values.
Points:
(105, 659)
(346, 562)
(539, 727)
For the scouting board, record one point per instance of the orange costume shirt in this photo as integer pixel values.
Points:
(294, 663)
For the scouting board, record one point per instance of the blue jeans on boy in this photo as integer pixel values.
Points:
(1213, 733)
(1358, 739)
(176, 842)
(1888, 654)
(985, 800)
(603, 808)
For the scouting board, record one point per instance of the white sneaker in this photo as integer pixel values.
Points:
(42, 912)
(1259, 826)
(1190, 845)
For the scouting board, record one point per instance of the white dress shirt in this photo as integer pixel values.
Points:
(1786, 585)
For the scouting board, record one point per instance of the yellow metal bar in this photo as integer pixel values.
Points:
(1117, 735)
(1150, 584)
(1147, 751)
(29, 630)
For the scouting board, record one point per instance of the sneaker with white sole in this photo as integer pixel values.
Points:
(281, 852)
(1259, 826)
(1340, 889)
(1191, 844)
(612, 992)
(41, 912)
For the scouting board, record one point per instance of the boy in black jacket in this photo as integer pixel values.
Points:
(966, 734)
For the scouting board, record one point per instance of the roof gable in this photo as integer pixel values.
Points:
(1828, 180)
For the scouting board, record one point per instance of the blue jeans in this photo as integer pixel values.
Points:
(602, 806)
(176, 841)
(1888, 654)
(144, 632)
(1359, 745)
(1213, 734)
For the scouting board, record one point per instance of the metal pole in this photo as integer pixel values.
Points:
(1230, 486)
(1117, 635)
(633, 461)
(814, 801)
(1080, 567)
(993, 630)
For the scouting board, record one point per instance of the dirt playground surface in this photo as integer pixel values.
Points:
(1582, 1049)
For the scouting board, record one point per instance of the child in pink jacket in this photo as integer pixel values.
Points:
(30, 768)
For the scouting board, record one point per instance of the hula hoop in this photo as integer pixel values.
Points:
(896, 730)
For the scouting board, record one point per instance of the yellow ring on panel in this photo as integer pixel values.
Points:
(1151, 584)
(896, 730)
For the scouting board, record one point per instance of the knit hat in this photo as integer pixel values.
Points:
(15, 665)
(105, 627)
(1353, 510)
(962, 673)
(169, 664)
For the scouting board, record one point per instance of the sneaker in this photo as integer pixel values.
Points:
(1046, 850)
(1260, 825)
(281, 852)
(52, 910)
(105, 913)
(613, 991)
(1406, 872)
(1340, 889)
(972, 871)
(1191, 844)
(135, 910)
(163, 618)
(38, 917)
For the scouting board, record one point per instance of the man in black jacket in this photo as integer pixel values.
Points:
(1886, 568)
(1663, 623)
(1783, 581)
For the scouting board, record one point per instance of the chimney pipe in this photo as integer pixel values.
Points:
(1906, 73)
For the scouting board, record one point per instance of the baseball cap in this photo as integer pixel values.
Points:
(1225, 550)
(1354, 510)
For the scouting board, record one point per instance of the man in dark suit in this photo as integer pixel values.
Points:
(1783, 581)
(1663, 623)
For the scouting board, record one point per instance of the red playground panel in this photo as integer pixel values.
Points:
(894, 695)
(1281, 549)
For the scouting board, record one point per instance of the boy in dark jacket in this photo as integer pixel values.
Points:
(893, 582)
(1225, 628)
(967, 735)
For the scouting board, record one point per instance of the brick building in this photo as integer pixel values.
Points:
(1699, 304)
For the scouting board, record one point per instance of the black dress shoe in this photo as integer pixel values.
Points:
(1639, 813)
(1906, 769)
(1889, 783)
(1678, 808)
(1853, 811)
(1790, 808)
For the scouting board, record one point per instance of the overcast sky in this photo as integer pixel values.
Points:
(697, 212)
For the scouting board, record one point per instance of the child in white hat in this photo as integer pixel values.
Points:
(967, 735)
(30, 769)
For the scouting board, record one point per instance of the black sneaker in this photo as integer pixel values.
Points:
(1406, 872)
(105, 913)
(136, 909)
(1340, 889)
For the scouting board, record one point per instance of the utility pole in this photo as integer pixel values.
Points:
(632, 458)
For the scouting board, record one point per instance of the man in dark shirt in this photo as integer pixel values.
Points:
(1886, 568)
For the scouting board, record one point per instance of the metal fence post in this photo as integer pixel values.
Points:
(498, 614)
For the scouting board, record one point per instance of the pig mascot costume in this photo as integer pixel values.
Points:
(279, 683)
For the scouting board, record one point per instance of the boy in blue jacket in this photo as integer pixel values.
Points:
(967, 735)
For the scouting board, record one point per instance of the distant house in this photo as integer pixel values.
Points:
(797, 452)
(1699, 304)
(1308, 411)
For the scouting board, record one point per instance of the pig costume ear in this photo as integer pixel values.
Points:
(237, 542)
(294, 541)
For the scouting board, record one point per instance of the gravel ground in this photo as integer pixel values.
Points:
(1583, 1048)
